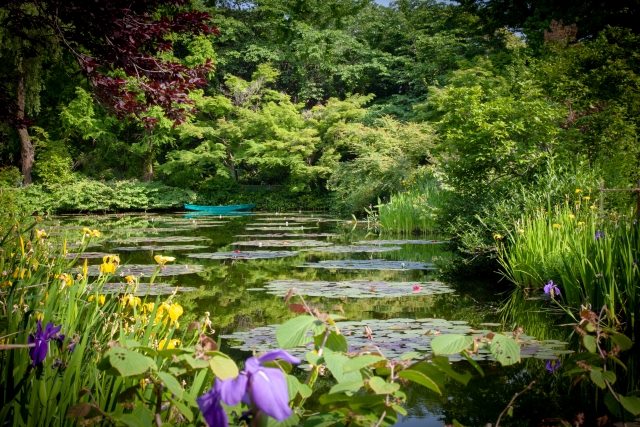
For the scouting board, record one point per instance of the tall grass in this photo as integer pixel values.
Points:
(414, 211)
(592, 257)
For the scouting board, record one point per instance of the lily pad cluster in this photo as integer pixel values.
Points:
(241, 255)
(159, 248)
(394, 337)
(356, 288)
(369, 264)
(400, 242)
(346, 249)
(282, 243)
(85, 255)
(291, 227)
(163, 239)
(280, 235)
(144, 289)
(148, 270)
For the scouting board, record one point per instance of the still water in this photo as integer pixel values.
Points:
(238, 268)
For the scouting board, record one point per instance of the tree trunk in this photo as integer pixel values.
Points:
(27, 150)
(148, 162)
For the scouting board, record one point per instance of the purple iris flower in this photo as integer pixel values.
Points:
(599, 234)
(551, 289)
(258, 386)
(41, 341)
(552, 365)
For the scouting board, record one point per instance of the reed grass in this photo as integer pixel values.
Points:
(591, 256)
(412, 212)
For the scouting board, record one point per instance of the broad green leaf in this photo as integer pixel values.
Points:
(380, 386)
(399, 409)
(420, 378)
(596, 376)
(335, 342)
(631, 404)
(336, 362)
(359, 362)
(295, 387)
(331, 419)
(450, 343)
(505, 349)
(223, 367)
(184, 409)
(444, 365)
(172, 384)
(347, 386)
(293, 333)
(589, 342)
(140, 417)
(128, 362)
(622, 341)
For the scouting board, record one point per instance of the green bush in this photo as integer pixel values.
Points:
(84, 195)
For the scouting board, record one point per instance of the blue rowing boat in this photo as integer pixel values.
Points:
(220, 209)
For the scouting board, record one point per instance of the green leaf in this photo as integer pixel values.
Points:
(359, 362)
(295, 387)
(380, 386)
(172, 384)
(347, 386)
(330, 419)
(631, 404)
(505, 349)
(444, 365)
(596, 376)
(622, 341)
(140, 417)
(128, 362)
(335, 342)
(420, 378)
(450, 343)
(589, 342)
(293, 333)
(336, 362)
(223, 367)
(399, 409)
(184, 409)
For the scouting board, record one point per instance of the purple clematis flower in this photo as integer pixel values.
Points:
(258, 386)
(551, 289)
(41, 341)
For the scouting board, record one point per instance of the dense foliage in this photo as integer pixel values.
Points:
(480, 119)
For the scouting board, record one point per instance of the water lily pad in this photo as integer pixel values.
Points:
(244, 255)
(163, 239)
(393, 337)
(144, 289)
(353, 248)
(370, 264)
(281, 235)
(282, 243)
(400, 242)
(356, 288)
(148, 230)
(159, 248)
(263, 220)
(289, 228)
(86, 255)
(147, 270)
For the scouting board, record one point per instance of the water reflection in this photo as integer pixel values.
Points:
(230, 289)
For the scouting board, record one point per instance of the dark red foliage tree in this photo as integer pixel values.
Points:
(116, 44)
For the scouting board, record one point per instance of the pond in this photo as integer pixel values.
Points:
(238, 268)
